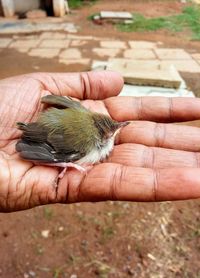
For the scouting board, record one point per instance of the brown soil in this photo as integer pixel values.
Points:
(108, 239)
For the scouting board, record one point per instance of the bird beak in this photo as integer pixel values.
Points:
(120, 125)
(123, 124)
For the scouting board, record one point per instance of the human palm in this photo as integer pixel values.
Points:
(150, 161)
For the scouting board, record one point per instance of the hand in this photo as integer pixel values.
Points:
(150, 162)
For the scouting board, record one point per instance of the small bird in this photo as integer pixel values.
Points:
(67, 135)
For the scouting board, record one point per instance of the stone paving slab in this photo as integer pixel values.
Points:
(23, 50)
(20, 27)
(54, 43)
(44, 52)
(140, 91)
(130, 64)
(27, 37)
(142, 44)
(79, 37)
(70, 46)
(184, 65)
(172, 54)
(98, 65)
(53, 35)
(78, 43)
(71, 53)
(139, 54)
(4, 42)
(113, 44)
(24, 43)
(115, 15)
(82, 61)
(196, 56)
(109, 52)
(141, 73)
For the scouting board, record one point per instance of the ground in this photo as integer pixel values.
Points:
(109, 239)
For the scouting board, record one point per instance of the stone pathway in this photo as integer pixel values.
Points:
(75, 49)
(28, 27)
(136, 57)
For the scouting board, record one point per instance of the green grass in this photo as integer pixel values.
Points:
(75, 4)
(189, 19)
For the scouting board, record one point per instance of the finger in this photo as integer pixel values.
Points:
(161, 135)
(86, 85)
(136, 155)
(160, 109)
(116, 182)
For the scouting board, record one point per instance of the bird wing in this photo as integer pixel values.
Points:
(35, 151)
(43, 152)
(33, 132)
(62, 102)
(37, 145)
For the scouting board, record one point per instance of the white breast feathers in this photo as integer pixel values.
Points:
(98, 154)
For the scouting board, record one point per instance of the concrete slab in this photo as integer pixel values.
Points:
(172, 54)
(23, 50)
(141, 91)
(150, 91)
(4, 42)
(141, 73)
(26, 37)
(70, 53)
(24, 43)
(14, 27)
(115, 15)
(44, 52)
(142, 44)
(183, 65)
(139, 54)
(196, 56)
(99, 65)
(83, 61)
(109, 52)
(148, 64)
(53, 35)
(79, 37)
(132, 64)
(78, 42)
(113, 44)
(54, 43)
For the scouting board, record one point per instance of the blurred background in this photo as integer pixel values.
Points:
(108, 239)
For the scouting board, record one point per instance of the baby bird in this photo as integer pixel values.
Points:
(67, 135)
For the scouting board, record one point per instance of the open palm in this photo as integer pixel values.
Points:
(150, 161)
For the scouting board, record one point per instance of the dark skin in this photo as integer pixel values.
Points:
(150, 162)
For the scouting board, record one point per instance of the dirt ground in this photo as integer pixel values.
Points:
(108, 239)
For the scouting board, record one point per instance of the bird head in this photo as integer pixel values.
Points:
(106, 126)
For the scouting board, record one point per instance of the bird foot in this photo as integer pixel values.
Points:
(71, 165)
(66, 165)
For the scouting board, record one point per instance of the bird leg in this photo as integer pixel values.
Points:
(65, 165)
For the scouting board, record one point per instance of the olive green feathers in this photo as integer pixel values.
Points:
(65, 132)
